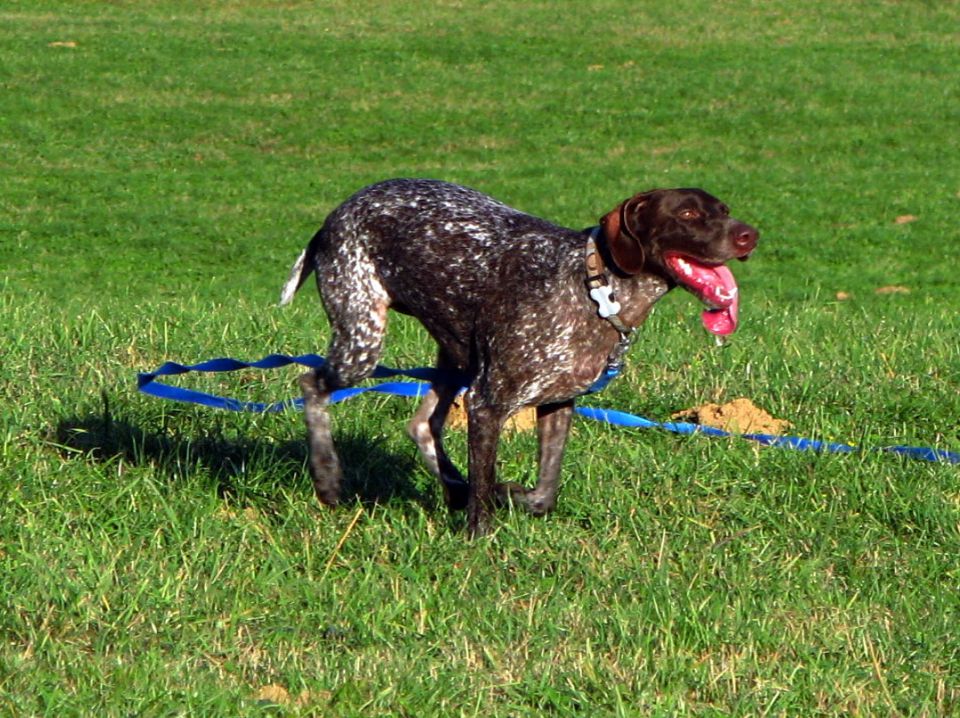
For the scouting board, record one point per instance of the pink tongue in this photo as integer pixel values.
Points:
(714, 286)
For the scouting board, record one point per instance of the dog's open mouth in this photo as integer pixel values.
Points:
(715, 287)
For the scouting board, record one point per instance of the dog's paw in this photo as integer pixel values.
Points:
(455, 493)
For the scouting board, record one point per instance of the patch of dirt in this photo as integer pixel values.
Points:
(273, 694)
(892, 289)
(523, 420)
(740, 416)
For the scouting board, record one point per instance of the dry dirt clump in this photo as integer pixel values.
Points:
(523, 420)
(274, 694)
(740, 416)
(892, 289)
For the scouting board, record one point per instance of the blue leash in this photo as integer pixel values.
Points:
(146, 383)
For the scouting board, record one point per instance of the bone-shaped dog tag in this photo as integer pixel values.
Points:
(603, 296)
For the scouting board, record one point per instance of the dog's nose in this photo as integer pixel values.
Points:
(745, 238)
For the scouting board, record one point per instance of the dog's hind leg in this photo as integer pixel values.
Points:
(358, 318)
(324, 463)
(426, 429)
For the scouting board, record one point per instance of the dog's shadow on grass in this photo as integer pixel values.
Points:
(242, 467)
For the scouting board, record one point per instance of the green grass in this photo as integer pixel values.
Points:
(161, 172)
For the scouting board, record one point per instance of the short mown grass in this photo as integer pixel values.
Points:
(164, 164)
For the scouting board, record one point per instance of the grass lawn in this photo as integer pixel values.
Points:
(163, 164)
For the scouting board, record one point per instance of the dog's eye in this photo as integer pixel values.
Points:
(690, 214)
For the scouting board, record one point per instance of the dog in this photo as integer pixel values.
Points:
(524, 312)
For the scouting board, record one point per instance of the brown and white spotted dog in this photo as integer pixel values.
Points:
(526, 312)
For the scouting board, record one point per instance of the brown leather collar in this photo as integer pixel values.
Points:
(599, 288)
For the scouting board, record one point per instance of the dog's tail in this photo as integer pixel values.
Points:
(301, 269)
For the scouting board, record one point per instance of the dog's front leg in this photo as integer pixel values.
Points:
(553, 426)
(484, 424)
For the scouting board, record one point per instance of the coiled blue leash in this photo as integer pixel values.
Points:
(146, 383)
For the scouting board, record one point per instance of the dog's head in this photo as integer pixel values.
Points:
(685, 236)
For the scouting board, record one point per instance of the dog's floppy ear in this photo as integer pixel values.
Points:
(623, 231)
